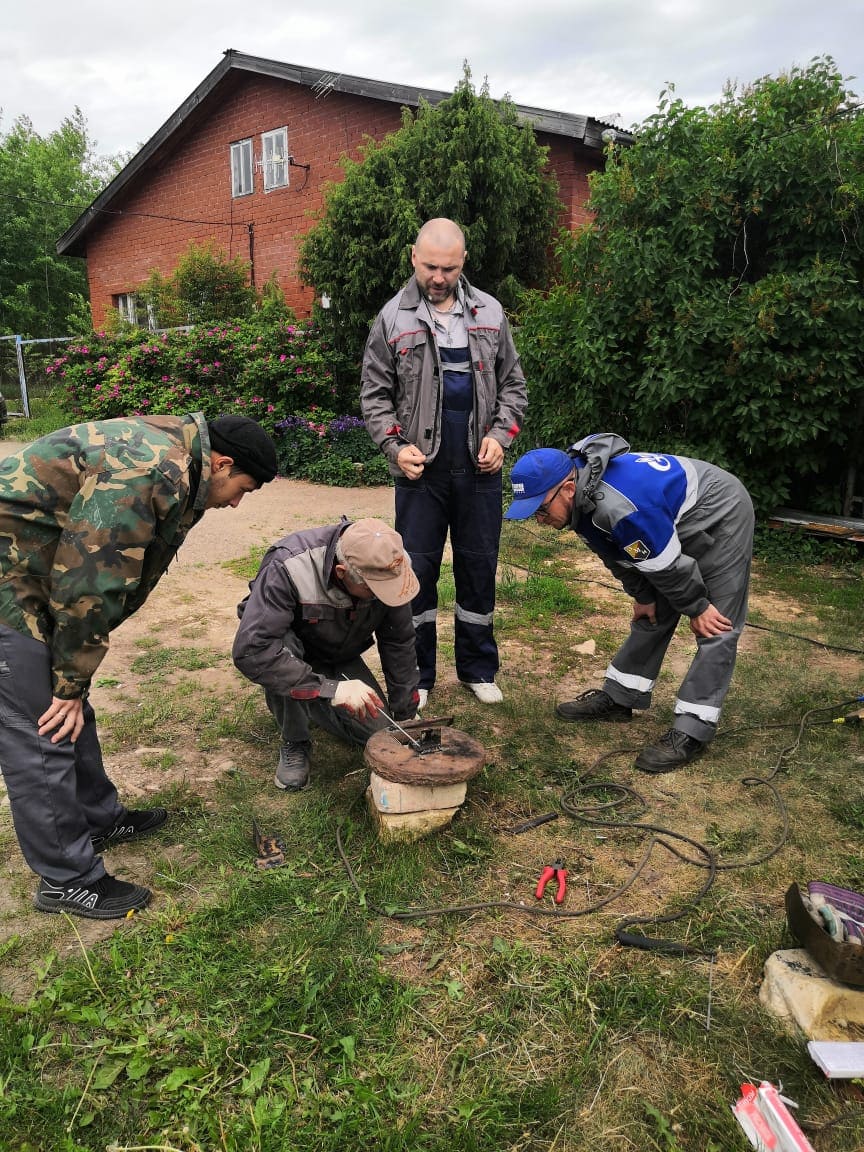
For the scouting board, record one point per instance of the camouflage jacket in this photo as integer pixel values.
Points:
(90, 518)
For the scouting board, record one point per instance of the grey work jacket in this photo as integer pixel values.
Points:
(294, 593)
(717, 505)
(402, 387)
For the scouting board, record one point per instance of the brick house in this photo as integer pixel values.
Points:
(243, 163)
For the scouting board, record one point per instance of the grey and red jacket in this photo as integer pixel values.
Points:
(402, 385)
(296, 594)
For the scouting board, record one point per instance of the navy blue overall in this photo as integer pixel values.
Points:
(452, 494)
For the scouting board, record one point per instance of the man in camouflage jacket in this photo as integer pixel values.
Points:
(90, 518)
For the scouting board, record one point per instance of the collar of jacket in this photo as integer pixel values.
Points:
(330, 553)
(411, 296)
(197, 441)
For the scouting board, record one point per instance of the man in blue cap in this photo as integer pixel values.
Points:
(678, 534)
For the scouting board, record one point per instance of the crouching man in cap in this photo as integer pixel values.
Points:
(320, 599)
(90, 518)
(678, 534)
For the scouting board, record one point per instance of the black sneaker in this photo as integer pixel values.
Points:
(595, 704)
(292, 772)
(103, 899)
(133, 826)
(673, 750)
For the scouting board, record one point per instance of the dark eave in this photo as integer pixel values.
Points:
(582, 129)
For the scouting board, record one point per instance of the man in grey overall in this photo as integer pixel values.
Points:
(321, 599)
(443, 395)
(678, 534)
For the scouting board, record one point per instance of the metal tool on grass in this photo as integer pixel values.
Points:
(270, 849)
(559, 872)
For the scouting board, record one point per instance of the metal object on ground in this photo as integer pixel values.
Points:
(270, 849)
(444, 755)
(559, 871)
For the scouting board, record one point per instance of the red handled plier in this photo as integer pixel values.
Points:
(559, 872)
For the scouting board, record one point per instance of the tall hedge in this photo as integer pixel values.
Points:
(715, 306)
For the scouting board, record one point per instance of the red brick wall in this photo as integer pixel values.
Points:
(193, 183)
(572, 171)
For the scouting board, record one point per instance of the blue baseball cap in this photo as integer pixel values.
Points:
(533, 475)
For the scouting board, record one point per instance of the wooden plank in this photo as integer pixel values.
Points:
(833, 527)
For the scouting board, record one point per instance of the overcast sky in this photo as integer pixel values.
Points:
(129, 66)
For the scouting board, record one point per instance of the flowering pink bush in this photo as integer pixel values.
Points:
(261, 367)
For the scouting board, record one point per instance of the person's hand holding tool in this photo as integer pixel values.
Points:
(358, 699)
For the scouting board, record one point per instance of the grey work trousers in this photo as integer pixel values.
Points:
(725, 568)
(295, 717)
(59, 794)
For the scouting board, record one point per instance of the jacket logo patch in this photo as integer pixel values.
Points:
(637, 550)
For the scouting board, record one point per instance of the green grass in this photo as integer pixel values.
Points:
(247, 566)
(283, 1010)
(160, 658)
(46, 415)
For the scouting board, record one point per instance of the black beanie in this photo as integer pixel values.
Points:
(248, 445)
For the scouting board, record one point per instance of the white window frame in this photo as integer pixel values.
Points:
(127, 306)
(274, 158)
(242, 169)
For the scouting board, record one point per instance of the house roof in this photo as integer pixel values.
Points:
(584, 130)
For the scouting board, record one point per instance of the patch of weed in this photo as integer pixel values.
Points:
(161, 659)
(246, 567)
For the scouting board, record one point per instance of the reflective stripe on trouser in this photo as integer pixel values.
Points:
(295, 717)
(469, 504)
(725, 568)
(59, 794)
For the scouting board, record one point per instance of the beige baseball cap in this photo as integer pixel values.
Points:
(376, 552)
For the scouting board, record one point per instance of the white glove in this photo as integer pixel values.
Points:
(358, 699)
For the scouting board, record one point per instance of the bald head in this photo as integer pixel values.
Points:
(441, 232)
(438, 255)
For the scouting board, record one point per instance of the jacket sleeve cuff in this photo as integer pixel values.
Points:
(327, 689)
(65, 688)
(314, 689)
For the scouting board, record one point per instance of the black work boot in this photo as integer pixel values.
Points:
(133, 826)
(104, 899)
(595, 704)
(673, 750)
(292, 772)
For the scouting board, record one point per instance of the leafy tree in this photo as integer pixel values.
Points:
(715, 305)
(468, 158)
(205, 287)
(44, 184)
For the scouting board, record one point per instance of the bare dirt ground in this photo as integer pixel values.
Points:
(197, 595)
